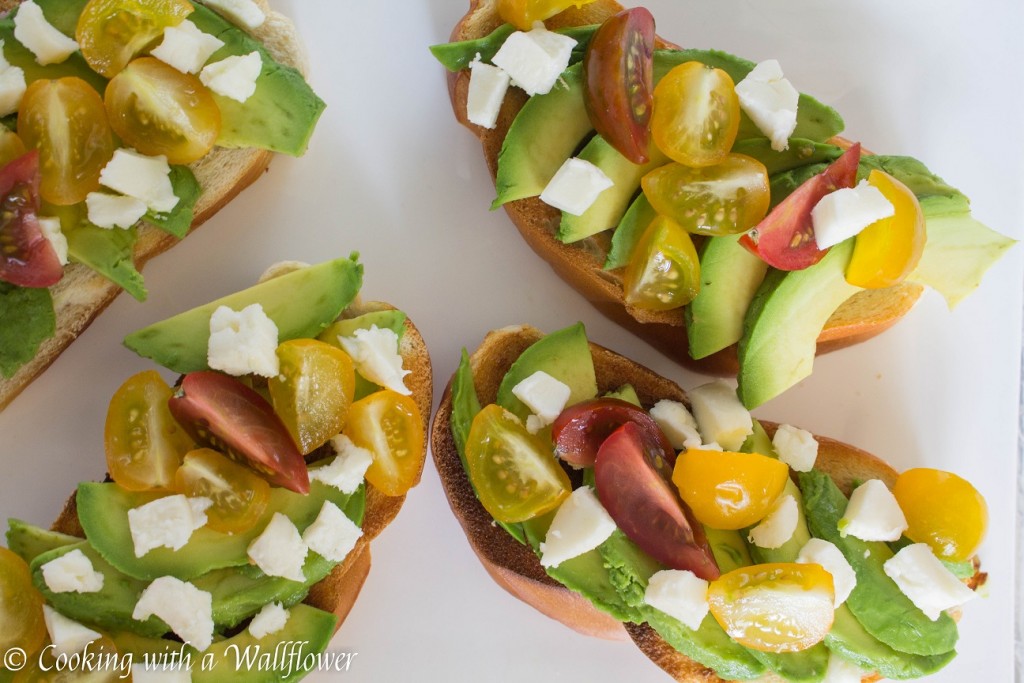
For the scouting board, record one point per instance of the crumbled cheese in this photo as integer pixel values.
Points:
(113, 210)
(873, 514)
(575, 187)
(243, 342)
(187, 610)
(535, 59)
(72, 573)
(544, 395)
(166, 522)
(12, 85)
(148, 179)
(279, 550)
(487, 87)
(778, 526)
(795, 447)
(770, 101)
(233, 77)
(721, 418)
(925, 580)
(68, 637)
(332, 535)
(679, 593)
(160, 672)
(348, 468)
(244, 13)
(51, 231)
(842, 214)
(271, 619)
(186, 47)
(842, 671)
(32, 30)
(819, 551)
(375, 353)
(676, 422)
(713, 446)
(580, 525)
(534, 424)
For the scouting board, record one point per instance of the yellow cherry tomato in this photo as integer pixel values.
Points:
(11, 146)
(522, 13)
(887, 251)
(144, 445)
(727, 490)
(313, 391)
(942, 510)
(664, 270)
(21, 607)
(112, 33)
(390, 426)
(239, 495)
(696, 114)
(778, 607)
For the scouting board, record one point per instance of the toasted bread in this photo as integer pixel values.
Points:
(581, 264)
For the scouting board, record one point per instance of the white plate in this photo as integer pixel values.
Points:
(392, 175)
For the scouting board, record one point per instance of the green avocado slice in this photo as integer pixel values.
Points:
(28, 541)
(29, 320)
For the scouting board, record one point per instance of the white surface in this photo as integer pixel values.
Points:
(392, 175)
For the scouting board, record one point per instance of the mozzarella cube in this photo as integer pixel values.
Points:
(721, 418)
(12, 85)
(166, 522)
(160, 672)
(925, 580)
(770, 101)
(145, 178)
(778, 525)
(580, 525)
(842, 214)
(544, 395)
(487, 87)
(348, 468)
(842, 671)
(32, 30)
(244, 13)
(332, 535)
(676, 422)
(873, 514)
(279, 550)
(535, 59)
(186, 48)
(72, 573)
(187, 610)
(113, 211)
(243, 342)
(233, 77)
(679, 593)
(68, 637)
(51, 231)
(795, 447)
(575, 187)
(375, 353)
(271, 619)
(821, 552)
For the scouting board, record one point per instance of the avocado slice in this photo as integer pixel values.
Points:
(625, 393)
(801, 152)
(301, 303)
(629, 231)
(849, 640)
(28, 541)
(29, 320)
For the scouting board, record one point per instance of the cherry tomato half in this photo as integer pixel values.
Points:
(522, 13)
(21, 607)
(942, 510)
(390, 426)
(618, 80)
(664, 270)
(729, 490)
(696, 114)
(11, 146)
(644, 506)
(111, 33)
(220, 412)
(581, 429)
(239, 495)
(785, 238)
(27, 258)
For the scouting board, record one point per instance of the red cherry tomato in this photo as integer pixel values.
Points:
(26, 257)
(618, 78)
(581, 429)
(785, 238)
(644, 506)
(220, 412)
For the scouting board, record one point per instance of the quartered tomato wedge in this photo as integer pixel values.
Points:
(27, 258)
(581, 429)
(21, 607)
(664, 271)
(390, 426)
(112, 33)
(522, 13)
(696, 114)
(643, 505)
(942, 510)
(220, 412)
(785, 238)
(618, 81)
(887, 251)
(239, 495)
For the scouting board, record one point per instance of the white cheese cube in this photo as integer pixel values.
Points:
(535, 59)
(32, 30)
(243, 342)
(72, 573)
(68, 637)
(842, 214)
(279, 550)
(166, 522)
(795, 447)
(113, 210)
(487, 87)
(145, 178)
(12, 85)
(271, 619)
(873, 514)
(233, 77)
(925, 580)
(332, 535)
(244, 13)
(544, 395)
(186, 48)
(842, 671)
(580, 525)
(348, 468)
(770, 101)
(187, 610)
(778, 525)
(698, 446)
(676, 422)
(575, 186)
(160, 672)
(51, 231)
(721, 418)
(821, 552)
(375, 353)
(680, 594)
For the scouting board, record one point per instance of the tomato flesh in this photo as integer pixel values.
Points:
(239, 495)
(220, 412)
(643, 505)
(729, 490)
(111, 33)
(664, 270)
(522, 13)
(696, 114)
(581, 429)
(27, 258)
(942, 510)
(887, 251)
(618, 78)
(390, 426)
(21, 607)
(11, 146)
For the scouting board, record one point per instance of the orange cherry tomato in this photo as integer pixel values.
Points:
(239, 495)
(144, 444)
(522, 13)
(942, 510)
(157, 109)
(21, 607)
(390, 426)
(112, 33)
(729, 490)
(696, 114)
(65, 120)
(774, 607)
(11, 146)
(664, 271)
(887, 251)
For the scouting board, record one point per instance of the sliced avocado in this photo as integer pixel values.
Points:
(29, 320)
(28, 541)
(178, 220)
(629, 231)
(799, 153)
(108, 252)
(459, 55)
(391, 320)
(625, 393)
(301, 303)
(849, 639)
(728, 548)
